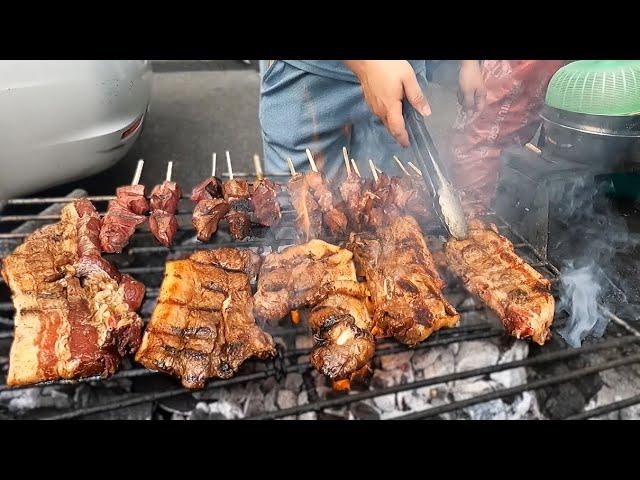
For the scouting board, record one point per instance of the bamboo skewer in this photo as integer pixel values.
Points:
(213, 164)
(346, 160)
(355, 167)
(169, 171)
(416, 169)
(378, 170)
(373, 170)
(138, 173)
(229, 165)
(258, 167)
(312, 161)
(401, 165)
(292, 169)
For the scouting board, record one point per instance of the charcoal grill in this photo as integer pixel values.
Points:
(145, 260)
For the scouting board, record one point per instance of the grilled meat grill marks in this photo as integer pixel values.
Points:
(73, 317)
(164, 203)
(403, 282)
(489, 267)
(203, 325)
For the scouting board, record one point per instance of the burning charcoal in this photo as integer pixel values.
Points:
(303, 398)
(364, 411)
(386, 378)
(386, 403)
(412, 401)
(434, 362)
(462, 390)
(397, 360)
(225, 409)
(201, 412)
(21, 401)
(308, 416)
(293, 382)
(493, 410)
(270, 401)
(286, 399)
(476, 354)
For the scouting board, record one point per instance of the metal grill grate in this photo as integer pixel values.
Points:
(146, 261)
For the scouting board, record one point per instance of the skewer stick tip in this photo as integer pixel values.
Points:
(214, 159)
(346, 160)
(311, 161)
(415, 169)
(257, 166)
(229, 165)
(355, 167)
(138, 173)
(373, 170)
(401, 165)
(169, 170)
(292, 169)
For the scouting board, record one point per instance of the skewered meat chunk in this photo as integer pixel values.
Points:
(73, 318)
(203, 326)
(207, 215)
(351, 191)
(489, 267)
(118, 225)
(236, 193)
(208, 189)
(133, 198)
(334, 219)
(266, 209)
(341, 327)
(308, 212)
(403, 282)
(164, 203)
(301, 276)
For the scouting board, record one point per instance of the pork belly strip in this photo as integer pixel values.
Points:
(489, 267)
(203, 326)
(301, 276)
(404, 285)
(73, 318)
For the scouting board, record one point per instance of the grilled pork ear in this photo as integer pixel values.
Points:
(75, 313)
(489, 267)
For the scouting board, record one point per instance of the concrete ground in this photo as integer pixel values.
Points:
(204, 106)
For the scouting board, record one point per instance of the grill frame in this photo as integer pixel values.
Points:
(276, 238)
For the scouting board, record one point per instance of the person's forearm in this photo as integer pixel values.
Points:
(356, 66)
(469, 63)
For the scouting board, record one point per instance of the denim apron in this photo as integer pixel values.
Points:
(303, 105)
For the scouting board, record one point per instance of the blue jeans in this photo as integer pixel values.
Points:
(300, 110)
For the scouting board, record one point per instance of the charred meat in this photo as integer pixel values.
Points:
(308, 212)
(207, 190)
(404, 285)
(236, 193)
(164, 204)
(489, 267)
(301, 276)
(266, 209)
(207, 215)
(333, 217)
(203, 326)
(75, 314)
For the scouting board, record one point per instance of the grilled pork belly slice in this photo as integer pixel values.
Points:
(489, 267)
(405, 287)
(203, 326)
(73, 318)
(207, 216)
(301, 276)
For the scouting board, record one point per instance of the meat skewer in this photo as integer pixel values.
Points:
(489, 267)
(124, 214)
(308, 212)
(236, 193)
(351, 193)
(164, 204)
(266, 209)
(210, 207)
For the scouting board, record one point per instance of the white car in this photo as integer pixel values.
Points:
(61, 120)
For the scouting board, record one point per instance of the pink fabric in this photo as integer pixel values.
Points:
(515, 95)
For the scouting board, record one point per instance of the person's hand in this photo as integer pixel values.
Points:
(385, 83)
(472, 94)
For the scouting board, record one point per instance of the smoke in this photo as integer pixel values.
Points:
(593, 239)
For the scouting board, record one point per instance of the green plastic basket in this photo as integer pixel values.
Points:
(597, 87)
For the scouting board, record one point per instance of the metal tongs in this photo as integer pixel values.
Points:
(446, 201)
